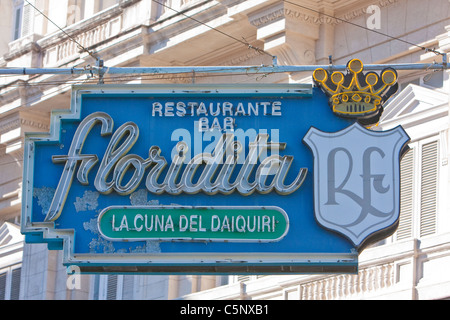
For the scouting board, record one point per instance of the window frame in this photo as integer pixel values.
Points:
(16, 32)
(8, 271)
(417, 188)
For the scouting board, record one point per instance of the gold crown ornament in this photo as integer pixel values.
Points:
(357, 95)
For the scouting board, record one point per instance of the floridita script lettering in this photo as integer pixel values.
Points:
(220, 164)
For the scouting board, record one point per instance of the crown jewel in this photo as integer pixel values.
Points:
(355, 94)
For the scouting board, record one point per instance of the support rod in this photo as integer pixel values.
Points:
(214, 69)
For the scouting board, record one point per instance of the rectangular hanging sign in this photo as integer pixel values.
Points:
(207, 179)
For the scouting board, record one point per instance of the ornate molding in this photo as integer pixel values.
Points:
(314, 19)
(32, 123)
(367, 281)
(20, 119)
(268, 17)
(286, 12)
(9, 125)
(250, 54)
(361, 11)
(17, 49)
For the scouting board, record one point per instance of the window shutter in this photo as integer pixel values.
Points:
(128, 287)
(27, 19)
(404, 230)
(111, 289)
(428, 190)
(2, 286)
(242, 278)
(15, 283)
(17, 22)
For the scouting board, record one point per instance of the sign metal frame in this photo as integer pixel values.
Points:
(166, 263)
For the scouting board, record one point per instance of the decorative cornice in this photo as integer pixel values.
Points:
(23, 119)
(306, 17)
(34, 124)
(22, 50)
(286, 12)
(6, 126)
(268, 17)
(361, 11)
(317, 19)
(250, 54)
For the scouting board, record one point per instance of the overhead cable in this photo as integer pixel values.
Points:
(80, 46)
(366, 28)
(259, 50)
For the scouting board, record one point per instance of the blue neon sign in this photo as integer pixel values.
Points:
(194, 179)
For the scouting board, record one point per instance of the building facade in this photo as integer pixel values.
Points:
(413, 263)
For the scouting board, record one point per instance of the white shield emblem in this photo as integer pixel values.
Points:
(357, 180)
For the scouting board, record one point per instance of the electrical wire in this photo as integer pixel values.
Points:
(250, 77)
(259, 50)
(124, 78)
(158, 76)
(80, 46)
(180, 76)
(365, 28)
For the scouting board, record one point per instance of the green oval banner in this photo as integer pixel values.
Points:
(181, 223)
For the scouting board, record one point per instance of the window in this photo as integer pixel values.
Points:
(23, 18)
(3, 286)
(10, 283)
(428, 189)
(113, 287)
(17, 16)
(404, 230)
(419, 190)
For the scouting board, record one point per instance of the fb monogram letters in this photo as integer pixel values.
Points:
(356, 180)
(369, 180)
